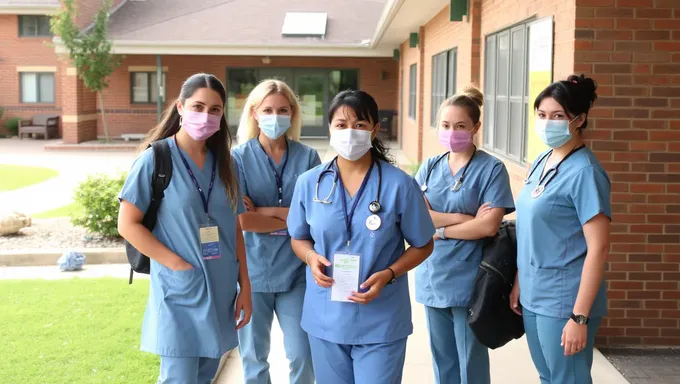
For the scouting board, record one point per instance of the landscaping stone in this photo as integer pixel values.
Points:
(12, 223)
(55, 234)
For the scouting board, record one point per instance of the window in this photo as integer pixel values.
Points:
(443, 80)
(145, 87)
(506, 92)
(412, 82)
(34, 26)
(37, 87)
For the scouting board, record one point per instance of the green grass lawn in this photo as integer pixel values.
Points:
(73, 331)
(65, 211)
(19, 176)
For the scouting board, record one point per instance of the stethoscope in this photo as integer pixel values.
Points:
(374, 206)
(459, 182)
(544, 181)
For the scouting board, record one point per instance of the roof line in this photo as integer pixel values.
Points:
(111, 12)
(389, 12)
(182, 15)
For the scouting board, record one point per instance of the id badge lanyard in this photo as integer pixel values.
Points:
(205, 199)
(279, 178)
(349, 215)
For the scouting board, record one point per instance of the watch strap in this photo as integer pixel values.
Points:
(580, 319)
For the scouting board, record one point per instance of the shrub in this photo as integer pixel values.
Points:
(12, 125)
(98, 195)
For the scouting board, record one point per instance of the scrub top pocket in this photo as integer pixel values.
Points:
(183, 287)
(469, 202)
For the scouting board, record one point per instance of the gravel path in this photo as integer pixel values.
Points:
(55, 233)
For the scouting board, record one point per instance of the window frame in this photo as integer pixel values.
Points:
(489, 140)
(38, 92)
(412, 90)
(37, 18)
(148, 91)
(444, 76)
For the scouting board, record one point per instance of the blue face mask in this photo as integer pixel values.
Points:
(554, 133)
(274, 126)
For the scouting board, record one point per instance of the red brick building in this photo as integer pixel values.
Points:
(411, 54)
(632, 49)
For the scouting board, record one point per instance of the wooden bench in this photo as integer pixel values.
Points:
(46, 125)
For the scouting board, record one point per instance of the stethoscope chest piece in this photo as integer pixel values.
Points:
(536, 192)
(457, 185)
(373, 222)
(374, 207)
(423, 187)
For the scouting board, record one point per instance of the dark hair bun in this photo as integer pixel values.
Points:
(586, 85)
(475, 94)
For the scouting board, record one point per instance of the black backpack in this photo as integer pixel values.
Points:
(491, 319)
(162, 174)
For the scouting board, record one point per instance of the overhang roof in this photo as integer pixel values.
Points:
(29, 7)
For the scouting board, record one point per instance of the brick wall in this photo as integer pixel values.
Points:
(409, 128)
(18, 51)
(124, 117)
(632, 48)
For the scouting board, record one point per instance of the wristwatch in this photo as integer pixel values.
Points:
(580, 319)
(440, 233)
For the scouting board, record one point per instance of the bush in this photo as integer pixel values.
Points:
(12, 126)
(98, 195)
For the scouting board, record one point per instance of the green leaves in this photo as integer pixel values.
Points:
(98, 195)
(90, 50)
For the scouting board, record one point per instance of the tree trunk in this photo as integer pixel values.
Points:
(106, 128)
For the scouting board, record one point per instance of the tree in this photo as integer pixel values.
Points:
(89, 50)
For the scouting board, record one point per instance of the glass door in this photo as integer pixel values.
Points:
(312, 89)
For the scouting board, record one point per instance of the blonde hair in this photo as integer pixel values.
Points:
(248, 127)
(471, 99)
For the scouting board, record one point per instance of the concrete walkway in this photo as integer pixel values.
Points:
(73, 168)
(509, 365)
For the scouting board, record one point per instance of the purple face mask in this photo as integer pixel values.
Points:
(200, 126)
(455, 140)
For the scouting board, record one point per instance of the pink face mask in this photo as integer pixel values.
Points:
(455, 140)
(200, 126)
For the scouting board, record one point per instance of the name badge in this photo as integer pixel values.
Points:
(282, 232)
(345, 276)
(210, 242)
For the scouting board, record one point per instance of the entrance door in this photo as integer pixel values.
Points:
(312, 89)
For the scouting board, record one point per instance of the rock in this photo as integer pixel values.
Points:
(13, 223)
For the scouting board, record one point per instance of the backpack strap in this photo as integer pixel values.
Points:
(162, 174)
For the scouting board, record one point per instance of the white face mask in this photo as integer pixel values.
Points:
(351, 144)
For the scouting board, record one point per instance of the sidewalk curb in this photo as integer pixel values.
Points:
(45, 257)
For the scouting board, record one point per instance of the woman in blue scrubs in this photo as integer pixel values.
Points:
(192, 314)
(270, 159)
(349, 219)
(468, 192)
(563, 226)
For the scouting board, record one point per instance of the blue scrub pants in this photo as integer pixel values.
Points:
(457, 356)
(544, 335)
(255, 338)
(187, 370)
(358, 364)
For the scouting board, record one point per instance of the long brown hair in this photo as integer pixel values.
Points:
(219, 143)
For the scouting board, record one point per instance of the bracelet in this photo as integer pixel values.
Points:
(394, 276)
(307, 256)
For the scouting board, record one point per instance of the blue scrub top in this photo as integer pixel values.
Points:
(551, 246)
(188, 313)
(404, 216)
(446, 278)
(272, 264)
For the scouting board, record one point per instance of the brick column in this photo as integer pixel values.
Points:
(632, 49)
(79, 116)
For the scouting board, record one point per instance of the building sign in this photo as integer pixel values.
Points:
(540, 76)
